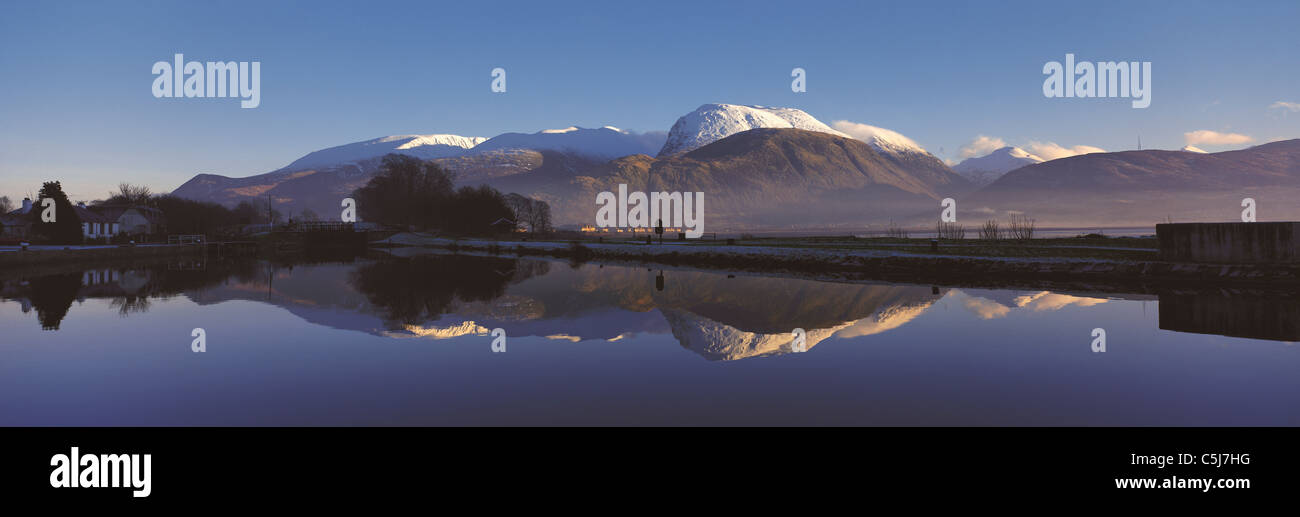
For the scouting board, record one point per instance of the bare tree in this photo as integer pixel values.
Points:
(952, 231)
(895, 231)
(128, 194)
(1021, 227)
(534, 213)
(6, 205)
(990, 230)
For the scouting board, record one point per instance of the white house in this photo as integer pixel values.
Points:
(94, 224)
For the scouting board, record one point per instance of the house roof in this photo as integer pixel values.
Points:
(91, 216)
(114, 212)
(13, 219)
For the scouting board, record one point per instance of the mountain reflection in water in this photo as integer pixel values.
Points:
(404, 338)
(715, 315)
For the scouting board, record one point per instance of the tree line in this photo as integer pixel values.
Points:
(406, 192)
(416, 194)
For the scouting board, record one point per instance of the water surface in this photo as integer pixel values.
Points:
(406, 341)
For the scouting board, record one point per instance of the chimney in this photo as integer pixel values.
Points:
(27, 205)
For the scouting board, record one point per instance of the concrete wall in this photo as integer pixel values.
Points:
(1248, 315)
(1230, 243)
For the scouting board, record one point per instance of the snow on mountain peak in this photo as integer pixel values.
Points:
(712, 122)
(1016, 152)
(463, 142)
(879, 138)
(985, 169)
(605, 142)
(426, 147)
(1193, 149)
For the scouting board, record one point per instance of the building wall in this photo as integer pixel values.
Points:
(132, 221)
(95, 230)
(1230, 243)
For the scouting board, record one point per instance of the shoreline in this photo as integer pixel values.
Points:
(19, 258)
(893, 266)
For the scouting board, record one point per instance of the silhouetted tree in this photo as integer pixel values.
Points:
(479, 211)
(66, 227)
(188, 216)
(422, 288)
(532, 213)
(408, 192)
(6, 205)
(256, 211)
(52, 296)
(131, 195)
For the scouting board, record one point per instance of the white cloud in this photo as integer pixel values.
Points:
(982, 145)
(1052, 150)
(1207, 137)
(1285, 106)
(874, 135)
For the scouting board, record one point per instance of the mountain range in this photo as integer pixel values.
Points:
(781, 168)
(759, 166)
(986, 169)
(1147, 187)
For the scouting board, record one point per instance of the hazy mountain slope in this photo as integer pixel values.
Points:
(983, 170)
(1148, 187)
(760, 178)
(604, 143)
(425, 147)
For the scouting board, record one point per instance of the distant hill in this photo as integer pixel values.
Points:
(983, 170)
(1147, 187)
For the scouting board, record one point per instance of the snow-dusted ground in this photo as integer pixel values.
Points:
(897, 263)
(679, 249)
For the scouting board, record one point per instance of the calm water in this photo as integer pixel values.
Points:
(397, 341)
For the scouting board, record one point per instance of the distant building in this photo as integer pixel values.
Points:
(131, 220)
(94, 225)
(107, 221)
(98, 221)
(508, 225)
(16, 224)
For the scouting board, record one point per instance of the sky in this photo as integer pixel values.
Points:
(956, 77)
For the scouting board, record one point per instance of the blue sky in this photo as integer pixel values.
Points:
(76, 103)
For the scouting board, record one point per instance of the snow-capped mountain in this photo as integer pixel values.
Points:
(712, 122)
(985, 169)
(885, 141)
(605, 142)
(425, 147)
(1193, 149)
